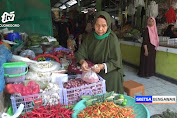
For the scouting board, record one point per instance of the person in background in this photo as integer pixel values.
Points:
(148, 50)
(103, 48)
(170, 32)
(77, 32)
(63, 32)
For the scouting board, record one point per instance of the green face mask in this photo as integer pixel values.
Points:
(102, 36)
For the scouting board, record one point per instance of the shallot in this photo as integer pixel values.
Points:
(74, 83)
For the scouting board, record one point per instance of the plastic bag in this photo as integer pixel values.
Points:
(5, 56)
(138, 3)
(5, 52)
(131, 10)
(39, 76)
(90, 76)
(28, 53)
(170, 15)
(152, 10)
(2, 81)
(16, 58)
(31, 88)
(45, 66)
(73, 67)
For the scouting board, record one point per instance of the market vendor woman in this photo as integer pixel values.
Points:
(103, 48)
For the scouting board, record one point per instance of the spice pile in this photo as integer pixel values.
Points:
(55, 111)
(107, 110)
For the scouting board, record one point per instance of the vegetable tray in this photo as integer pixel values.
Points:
(140, 109)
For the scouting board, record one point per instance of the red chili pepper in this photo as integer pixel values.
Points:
(106, 110)
(56, 111)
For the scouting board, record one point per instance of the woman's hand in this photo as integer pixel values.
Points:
(145, 50)
(97, 68)
(84, 65)
(146, 53)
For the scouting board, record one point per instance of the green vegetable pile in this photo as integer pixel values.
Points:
(110, 96)
(133, 33)
(35, 40)
(167, 114)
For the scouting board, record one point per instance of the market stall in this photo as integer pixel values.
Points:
(43, 80)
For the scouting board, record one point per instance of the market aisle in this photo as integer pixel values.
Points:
(153, 86)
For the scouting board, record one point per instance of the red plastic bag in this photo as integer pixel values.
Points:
(170, 15)
(90, 77)
(31, 88)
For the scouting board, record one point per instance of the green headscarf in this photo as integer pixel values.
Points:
(108, 21)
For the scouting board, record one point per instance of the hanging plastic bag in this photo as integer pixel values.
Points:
(152, 10)
(170, 15)
(138, 3)
(131, 10)
(90, 76)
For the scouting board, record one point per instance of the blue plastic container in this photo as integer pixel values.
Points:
(13, 36)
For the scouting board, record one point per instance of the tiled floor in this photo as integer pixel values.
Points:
(153, 86)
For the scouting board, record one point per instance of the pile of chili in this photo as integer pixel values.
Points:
(55, 111)
(107, 110)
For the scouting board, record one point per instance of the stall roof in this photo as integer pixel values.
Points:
(63, 4)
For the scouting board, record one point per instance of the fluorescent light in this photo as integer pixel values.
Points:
(71, 2)
(85, 11)
(63, 7)
(68, 5)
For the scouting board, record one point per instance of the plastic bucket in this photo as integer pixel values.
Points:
(15, 69)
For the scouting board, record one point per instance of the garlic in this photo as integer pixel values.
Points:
(41, 91)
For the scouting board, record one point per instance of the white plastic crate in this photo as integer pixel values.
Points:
(172, 41)
(163, 38)
(73, 95)
(40, 99)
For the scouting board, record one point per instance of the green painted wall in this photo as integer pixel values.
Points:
(166, 63)
(33, 16)
(130, 54)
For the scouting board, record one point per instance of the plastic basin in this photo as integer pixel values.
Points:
(140, 109)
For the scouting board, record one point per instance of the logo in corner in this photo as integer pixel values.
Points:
(6, 17)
